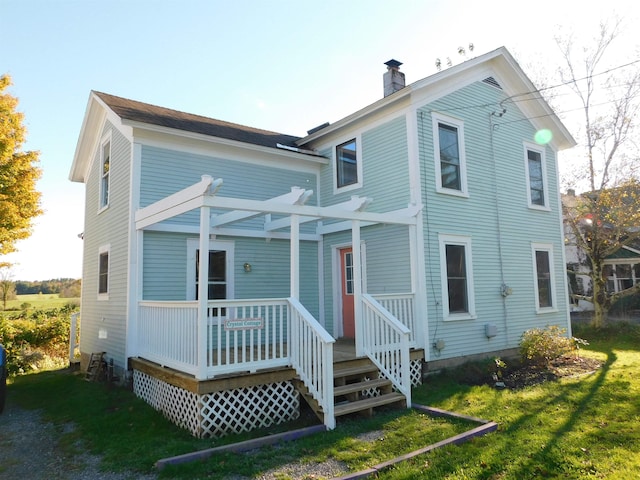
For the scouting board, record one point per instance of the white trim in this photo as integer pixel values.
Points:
(334, 164)
(106, 140)
(436, 119)
(464, 241)
(545, 183)
(228, 246)
(101, 250)
(544, 247)
(135, 254)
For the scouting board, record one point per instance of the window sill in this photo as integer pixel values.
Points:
(102, 209)
(540, 208)
(542, 311)
(453, 193)
(347, 188)
(103, 296)
(460, 316)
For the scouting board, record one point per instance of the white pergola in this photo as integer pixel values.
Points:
(349, 215)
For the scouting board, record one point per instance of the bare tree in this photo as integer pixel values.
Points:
(7, 285)
(606, 217)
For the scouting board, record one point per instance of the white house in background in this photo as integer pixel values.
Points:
(422, 229)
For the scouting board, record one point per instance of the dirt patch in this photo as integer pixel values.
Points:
(565, 366)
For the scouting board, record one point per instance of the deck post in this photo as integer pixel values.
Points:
(295, 256)
(357, 286)
(203, 292)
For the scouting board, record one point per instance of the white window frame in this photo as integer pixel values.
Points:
(334, 163)
(465, 241)
(106, 140)
(437, 119)
(193, 244)
(544, 247)
(101, 251)
(545, 184)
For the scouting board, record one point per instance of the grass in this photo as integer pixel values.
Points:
(39, 301)
(587, 427)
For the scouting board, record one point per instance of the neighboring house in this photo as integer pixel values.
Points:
(424, 228)
(621, 269)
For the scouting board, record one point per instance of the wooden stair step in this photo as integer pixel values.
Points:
(359, 386)
(368, 403)
(354, 371)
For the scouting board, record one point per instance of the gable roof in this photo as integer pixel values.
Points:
(165, 117)
(497, 65)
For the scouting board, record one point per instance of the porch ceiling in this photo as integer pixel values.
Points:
(329, 219)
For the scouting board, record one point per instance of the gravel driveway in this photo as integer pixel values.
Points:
(29, 450)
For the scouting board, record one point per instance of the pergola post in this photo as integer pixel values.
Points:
(357, 286)
(295, 256)
(203, 291)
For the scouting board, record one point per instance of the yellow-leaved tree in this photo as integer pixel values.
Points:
(19, 172)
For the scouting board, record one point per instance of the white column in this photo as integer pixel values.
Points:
(357, 286)
(203, 291)
(295, 257)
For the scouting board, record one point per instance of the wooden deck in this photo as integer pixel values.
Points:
(343, 351)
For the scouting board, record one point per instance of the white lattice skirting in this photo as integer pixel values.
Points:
(220, 413)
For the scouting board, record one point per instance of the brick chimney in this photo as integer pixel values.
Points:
(393, 77)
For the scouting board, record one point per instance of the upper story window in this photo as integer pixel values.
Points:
(448, 139)
(457, 277)
(105, 162)
(348, 167)
(544, 281)
(103, 272)
(536, 177)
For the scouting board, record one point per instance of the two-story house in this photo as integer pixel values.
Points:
(422, 229)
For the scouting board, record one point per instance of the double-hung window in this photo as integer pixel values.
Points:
(535, 169)
(347, 166)
(103, 272)
(449, 154)
(544, 281)
(105, 163)
(457, 277)
(220, 275)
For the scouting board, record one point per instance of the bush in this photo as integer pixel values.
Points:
(37, 340)
(542, 346)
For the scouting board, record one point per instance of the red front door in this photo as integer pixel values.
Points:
(346, 268)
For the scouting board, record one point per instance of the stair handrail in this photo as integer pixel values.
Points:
(386, 343)
(311, 355)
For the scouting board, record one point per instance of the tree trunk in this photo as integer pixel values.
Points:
(600, 299)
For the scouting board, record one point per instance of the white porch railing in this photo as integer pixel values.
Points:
(401, 306)
(386, 343)
(312, 357)
(242, 335)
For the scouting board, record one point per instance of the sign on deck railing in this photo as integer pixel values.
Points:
(244, 324)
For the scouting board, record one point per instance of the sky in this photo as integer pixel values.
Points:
(281, 65)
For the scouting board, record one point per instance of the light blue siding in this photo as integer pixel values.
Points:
(495, 216)
(107, 227)
(165, 268)
(385, 168)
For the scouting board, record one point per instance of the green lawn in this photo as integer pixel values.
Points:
(586, 427)
(40, 301)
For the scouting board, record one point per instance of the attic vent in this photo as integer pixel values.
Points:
(493, 82)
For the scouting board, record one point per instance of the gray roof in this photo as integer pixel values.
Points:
(166, 117)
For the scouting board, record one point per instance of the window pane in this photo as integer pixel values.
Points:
(348, 273)
(457, 279)
(217, 279)
(103, 275)
(449, 156)
(544, 279)
(536, 183)
(347, 167)
(623, 271)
